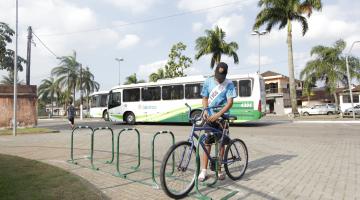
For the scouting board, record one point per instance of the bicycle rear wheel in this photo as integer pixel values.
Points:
(236, 159)
(177, 174)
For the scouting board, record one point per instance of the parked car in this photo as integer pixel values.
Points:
(348, 112)
(323, 109)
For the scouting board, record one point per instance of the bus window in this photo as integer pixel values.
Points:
(193, 91)
(103, 100)
(114, 99)
(236, 87)
(151, 94)
(131, 95)
(172, 92)
(245, 88)
(93, 101)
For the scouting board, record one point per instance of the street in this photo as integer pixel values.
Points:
(287, 160)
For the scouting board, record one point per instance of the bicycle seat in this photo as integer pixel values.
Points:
(229, 117)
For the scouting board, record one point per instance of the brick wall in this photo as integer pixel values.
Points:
(26, 105)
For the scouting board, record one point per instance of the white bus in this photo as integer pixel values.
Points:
(164, 100)
(98, 105)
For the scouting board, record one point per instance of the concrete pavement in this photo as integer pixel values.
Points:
(286, 160)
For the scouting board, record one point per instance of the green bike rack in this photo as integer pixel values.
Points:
(72, 160)
(199, 195)
(135, 168)
(156, 185)
(112, 144)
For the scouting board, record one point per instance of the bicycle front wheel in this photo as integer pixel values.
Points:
(177, 174)
(236, 159)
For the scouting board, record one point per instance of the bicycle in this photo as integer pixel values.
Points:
(178, 169)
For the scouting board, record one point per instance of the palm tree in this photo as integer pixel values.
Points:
(329, 66)
(214, 43)
(283, 12)
(156, 76)
(68, 73)
(9, 79)
(132, 79)
(89, 85)
(49, 88)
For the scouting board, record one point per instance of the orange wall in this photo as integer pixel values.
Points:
(26, 105)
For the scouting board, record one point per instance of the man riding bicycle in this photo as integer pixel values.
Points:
(217, 91)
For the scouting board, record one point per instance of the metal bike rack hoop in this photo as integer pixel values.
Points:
(135, 168)
(156, 185)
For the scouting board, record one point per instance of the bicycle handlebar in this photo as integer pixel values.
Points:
(202, 112)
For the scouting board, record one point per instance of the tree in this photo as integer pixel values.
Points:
(214, 43)
(282, 13)
(132, 79)
(9, 80)
(158, 75)
(89, 85)
(49, 89)
(177, 62)
(329, 66)
(68, 73)
(7, 55)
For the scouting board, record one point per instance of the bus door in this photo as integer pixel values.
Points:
(114, 106)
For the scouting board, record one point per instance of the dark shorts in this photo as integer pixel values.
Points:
(211, 137)
(71, 120)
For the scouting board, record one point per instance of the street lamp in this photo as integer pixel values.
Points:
(349, 78)
(15, 69)
(259, 33)
(119, 60)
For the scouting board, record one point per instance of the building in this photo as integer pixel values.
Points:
(278, 92)
(26, 105)
(344, 98)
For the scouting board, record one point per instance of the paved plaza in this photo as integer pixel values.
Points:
(287, 160)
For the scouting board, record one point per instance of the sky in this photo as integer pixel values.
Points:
(143, 31)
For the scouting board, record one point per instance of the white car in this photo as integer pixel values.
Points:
(323, 109)
(350, 110)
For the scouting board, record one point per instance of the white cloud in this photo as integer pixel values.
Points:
(219, 9)
(128, 41)
(253, 59)
(232, 24)
(146, 69)
(135, 6)
(197, 27)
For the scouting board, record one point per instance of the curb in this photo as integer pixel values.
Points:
(327, 122)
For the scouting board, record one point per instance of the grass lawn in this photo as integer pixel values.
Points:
(28, 179)
(27, 131)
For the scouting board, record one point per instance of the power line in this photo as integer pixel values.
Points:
(45, 45)
(148, 20)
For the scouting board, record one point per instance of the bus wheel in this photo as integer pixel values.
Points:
(106, 115)
(130, 118)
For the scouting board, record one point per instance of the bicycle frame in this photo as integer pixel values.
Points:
(192, 134)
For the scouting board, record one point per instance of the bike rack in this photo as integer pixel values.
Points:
(135, 168)
(156, 185)
(112, 144)
(199, 194)
(72, 160)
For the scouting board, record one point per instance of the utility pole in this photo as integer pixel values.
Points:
(349, 78)
(28, 57)
(15, 71)
(81, 94)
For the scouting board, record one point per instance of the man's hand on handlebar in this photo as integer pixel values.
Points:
(212, 118)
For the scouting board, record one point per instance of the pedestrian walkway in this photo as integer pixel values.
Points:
(286, 160)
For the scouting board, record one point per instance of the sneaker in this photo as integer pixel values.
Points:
(221, 176)
(202, 175)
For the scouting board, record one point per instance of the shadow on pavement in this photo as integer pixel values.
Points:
(261, 164)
